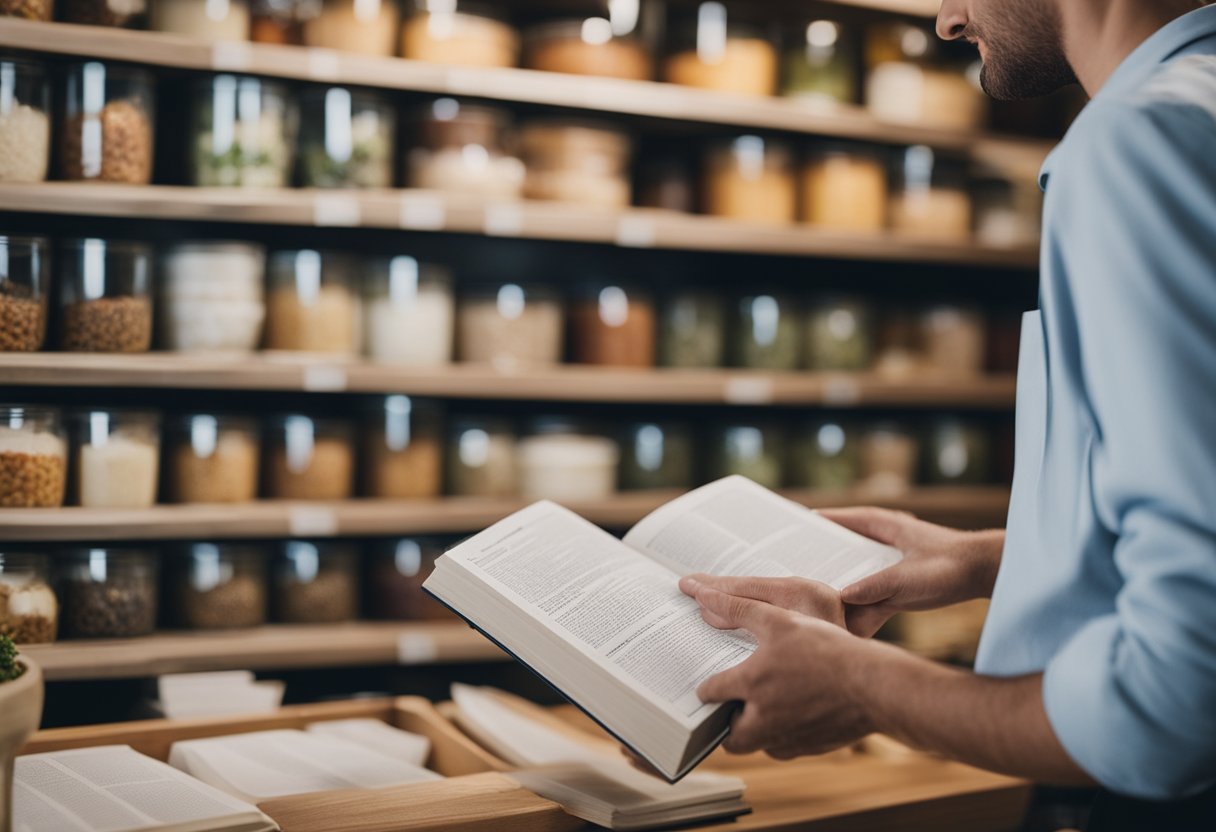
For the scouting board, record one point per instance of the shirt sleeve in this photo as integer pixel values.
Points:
(1132, 696)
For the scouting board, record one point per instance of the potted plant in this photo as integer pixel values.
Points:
(20, 713)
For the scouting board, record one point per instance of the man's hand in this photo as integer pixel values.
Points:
(941, 566)
(799, 595)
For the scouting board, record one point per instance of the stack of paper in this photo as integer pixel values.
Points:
(378, 736)
(191, 695)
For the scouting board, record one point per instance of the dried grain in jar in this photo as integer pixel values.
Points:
(33, 457)
(309, 459)
(315, 583)
(403, 456)
(397, 571)
(29, 611)
(456, 33)
(845, 189)
(107, 129)
(481, 458)
(106, 288)
(313, 305)
(107, 593)
(117, 458)
(28, 9)
(613, 325)
(24, 287)
(750, 178)
(25, 125)
(510, 326)
(212, 458)
(587, 46)
(217, 586)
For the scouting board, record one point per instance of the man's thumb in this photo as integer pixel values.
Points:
(874, 589)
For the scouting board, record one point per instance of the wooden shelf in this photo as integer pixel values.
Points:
(983, 506)
(265, 648)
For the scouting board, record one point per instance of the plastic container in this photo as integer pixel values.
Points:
(457, 33)
(105, 288)
(107, 593)
(825, 456)
(367, 27)
(613, 325)
(656, 456)
(29, 611)
(208, 20)
(315, 583)
(309, 459)
(840, 335)
(753, 451)
(716, 53)
(930, 198)
(28, 9)
(766, 333)
(24, 289)
(212, 458)
(117, 458)
(574, 161)
(844, 188)
(692, 330)
(889, 455)
(562, 460)
(313, 304)
(461, 148)
(212, 297)
(33, 457)
(819, 63)
(106, 134)
(587, 46)
(750, 178)
(113, 13)
(955, 340)
(217, 586)
(244, 133)
(957, 454)
(347, 139)
(396, 572)
(25, 124)
(510, 326)
(481, 459)
(409, 313)
(403, 450)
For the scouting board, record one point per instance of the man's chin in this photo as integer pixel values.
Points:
(1000, 85)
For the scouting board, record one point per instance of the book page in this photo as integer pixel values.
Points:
(379, 736)
(736, 527)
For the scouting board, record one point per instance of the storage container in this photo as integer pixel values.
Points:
(957, 453)
(347, 139)
(692, 330)
(212, 297)
(315, 583)
(367, 27)
(217, 586)
(114, 13)
(844, 188)
(106, 132)
(766, 333)
(657, 456)
(117, 458)
(750, 178)
(24, 290)
(613, 325)
(29, 611)
(754, 451)
(840, 335)
(587, 46)
(666, 182)
(719, 53)
(458, 33)
(244, 133)
(889, 454)
(409, 312)
(105, 292)
(396, 571)
(107, 592)
(926, 94)
(25, 124)
(313, 303)
(28, 9)
(402, 449)
(826, 456)
(33, 457)
(462, 148)
(819, 63)
(207, 20)
(562, 460)
(481, 458)
(1006, 214)
(309, 458)
(510, 326)
(955, 340)
(930, 199)
(574, 161)
(212, 458)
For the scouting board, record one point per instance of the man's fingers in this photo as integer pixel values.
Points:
(866, 621)
(879, 524)
(793, 594)
(733, 612)
(873, 589)
(727, 686)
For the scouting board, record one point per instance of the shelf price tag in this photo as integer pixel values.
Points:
(324, 64)
(231, 56)
(504, 219)
(636, 232)
(422, 212)
(841, 390)
(748, 390)
(416, 648)
(336, 210)
(312, 521)
(324, 378)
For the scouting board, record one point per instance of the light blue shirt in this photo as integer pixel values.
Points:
(1108, 580)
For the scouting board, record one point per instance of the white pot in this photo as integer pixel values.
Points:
(20, 713)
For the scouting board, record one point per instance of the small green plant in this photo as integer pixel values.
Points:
(9, 669)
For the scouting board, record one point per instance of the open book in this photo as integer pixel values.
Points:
(604, 622)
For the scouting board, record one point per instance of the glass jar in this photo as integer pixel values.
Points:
(457, 33)
(367, 27)
(309, 459)
(244, 133)
(750, 178)
(927, 95)
(930, 198)
(576, 162)
(692, 330)
(25, 124)
(212, 458)
(766, 333)
(402, 451)
(844, 188)
(207, 20)
(462, 149)
(107, 593)
(481, 458)
(33, 457)
(562, 460)
(839, 335)
(315, 583)
(889, 454)
(28, 9)
(105, 291)
(510, 326)
(753, 451)
(613, 325)
(212, 297)
(1006, 214)
(587, 46)
(396, 572)
(900, 350)
(29, 612)
(106, 133)
(217, 586)
(715, 53)
(24, 288)
(955, 340)
(655, 456)
(313, 304)
(825, 456)
(666, 182)
(117, 458)
(114, 13)
(957, 454)
(347, 139)
(280, 22)
(819, 64)
(409, 313)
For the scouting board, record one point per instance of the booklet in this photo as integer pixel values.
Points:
(603, 620)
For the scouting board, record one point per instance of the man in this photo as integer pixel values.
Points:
(1098, 660)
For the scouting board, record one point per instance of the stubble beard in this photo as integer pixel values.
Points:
(1025, 49)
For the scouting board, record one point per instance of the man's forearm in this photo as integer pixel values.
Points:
(990, 546)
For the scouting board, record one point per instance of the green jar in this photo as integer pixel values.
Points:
(957, 454)
(825, 456)
(656, 456)
(819, 63)
(839, 335)
(692, 331)
(753, 451)
(766, 334)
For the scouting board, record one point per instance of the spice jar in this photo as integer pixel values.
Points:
(839, 335)
(117, 458)
(844, 188)
(750, 178)
(396, 572)
(457, 33)
(692, 330)
(212, 458)
(576, 162)
(106, 133)
(954, 339)
(315, 583)
(107, 593)
(33, 457)
(656, 456)
(957, 454)
(313, 305)
(28, 9)
(402, 455)
(510, 326)
(280, 21)
(244, 133)
(889, 455)
(309, 459)
(211, 297)
(825, 456)
(347, 139)
(217, 586)
(818, 64)
(753, 451)
(462, 148)
(24, 287)
(587, 46)
(368, 27)
(613, 325)
(25, 124)
(409, 312)
(105, 288)
(481, 458)
(765, 333)
(561, 460)
(29, 612)
(115, 13)
(930, 198)
(208, 20)
(719, 54)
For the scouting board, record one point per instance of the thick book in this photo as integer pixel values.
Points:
(603, 620)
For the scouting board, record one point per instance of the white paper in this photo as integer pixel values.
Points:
(378, 736)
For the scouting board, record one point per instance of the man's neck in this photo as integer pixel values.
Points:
(1100, 34)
